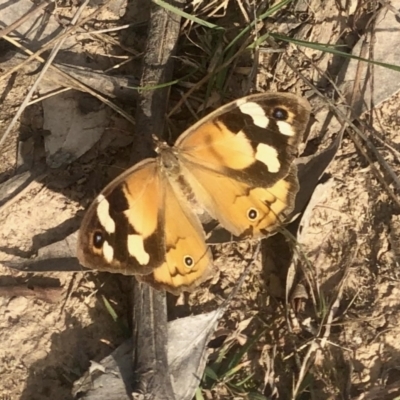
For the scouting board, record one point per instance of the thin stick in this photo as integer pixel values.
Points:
(48, 95)
(150, 331)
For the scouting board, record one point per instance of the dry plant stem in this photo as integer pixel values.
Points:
(158, 68)
(381, 392)
(40, 76)
(347, 122)
(300, 253)
(366, 46)
(121, 64)
(107, 30)
(334, 307)
(305, 366)
(48, 95)
(385, 3)
(150, 313)
(150, 330)
(319, 343)
(48, 294)
(53, 41)
(86, 80)
(361, 66)
(25, 18)
(75, 84)
(23, 192)
(356, 141)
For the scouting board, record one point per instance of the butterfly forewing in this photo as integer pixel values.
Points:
(122, 231)
(254, 139)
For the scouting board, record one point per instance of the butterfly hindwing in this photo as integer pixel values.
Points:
(188, 259)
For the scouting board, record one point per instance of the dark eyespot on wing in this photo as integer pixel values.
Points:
(280, 114)
(98, 239)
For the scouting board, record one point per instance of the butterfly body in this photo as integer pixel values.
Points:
(170, 163)
(235, 165)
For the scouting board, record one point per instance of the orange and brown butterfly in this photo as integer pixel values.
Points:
(235, 165)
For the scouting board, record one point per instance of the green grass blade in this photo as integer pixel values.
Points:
(259, 41)
(184, 14)
(306, 383)
(163, 85)
(239, 355)
(232, 371)
(199, 395)
(248, 28)
(110, 309)
(329, 48)
(209, 372)
(119, 323)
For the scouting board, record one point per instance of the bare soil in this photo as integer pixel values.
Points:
(50, 332)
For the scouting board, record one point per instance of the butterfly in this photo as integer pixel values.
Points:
(236, 166)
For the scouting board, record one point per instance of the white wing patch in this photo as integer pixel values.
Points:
(256, 112)
(268, 155)
(136, 249)
(285, 128)
(108, 252)
(103, 213)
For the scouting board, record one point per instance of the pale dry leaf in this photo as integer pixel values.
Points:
(376, 83)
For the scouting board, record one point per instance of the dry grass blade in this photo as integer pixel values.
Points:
(381, 392)
(110, 40)
(25, 18)
(347, 121)
(318, 343)
(48, 95)
(50, 44)
(71, 81)
(22, 193)
(40, 76)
